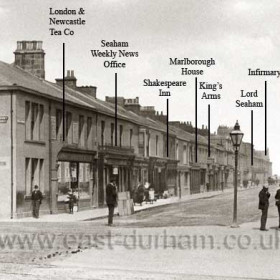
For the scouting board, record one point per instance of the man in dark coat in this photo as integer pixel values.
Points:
(111, 199)
(277, 197)
(36, 198)
(263, 205)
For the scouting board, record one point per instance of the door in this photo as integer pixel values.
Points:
(195, 181)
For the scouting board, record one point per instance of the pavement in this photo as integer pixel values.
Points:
(99, 213)
(206, 252)
(193, 253)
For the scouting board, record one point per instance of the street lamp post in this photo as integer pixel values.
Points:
(236, 137)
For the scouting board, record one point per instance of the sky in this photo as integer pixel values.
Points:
(237, 34)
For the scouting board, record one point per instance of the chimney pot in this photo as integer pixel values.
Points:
(30, 57)
(70, 80)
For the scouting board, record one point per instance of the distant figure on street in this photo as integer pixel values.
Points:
(146, 191)
(140, 193)
(111, 199)
(277, 197)
(72, 200)
(263, 205)
(36, 198)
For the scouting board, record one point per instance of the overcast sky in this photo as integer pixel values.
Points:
(237, 34)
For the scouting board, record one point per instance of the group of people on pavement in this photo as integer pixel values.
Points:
(112, 198)
(264, 196)
(143, 193)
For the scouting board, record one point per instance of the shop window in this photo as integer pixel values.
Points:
(84, 179)
(74, 176)
(64, 179)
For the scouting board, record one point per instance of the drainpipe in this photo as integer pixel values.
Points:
(12, 158)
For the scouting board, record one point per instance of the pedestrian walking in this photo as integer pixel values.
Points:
(277, 197)
(111, 199)
(36, 198)
(263, 205)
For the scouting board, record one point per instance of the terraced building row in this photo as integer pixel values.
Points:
(33, 150)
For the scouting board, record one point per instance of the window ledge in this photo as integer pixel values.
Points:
(35, 142)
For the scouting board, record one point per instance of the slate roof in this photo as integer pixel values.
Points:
(11, 75)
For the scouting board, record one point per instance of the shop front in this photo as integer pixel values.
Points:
(140, 171)
(195, 180)
(158, 174)
(115, 162)
(183, 180)
(76, 173)
(172, 176)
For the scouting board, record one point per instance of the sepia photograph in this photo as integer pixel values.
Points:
(139, 139)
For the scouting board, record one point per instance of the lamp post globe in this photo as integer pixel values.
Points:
(236, 136)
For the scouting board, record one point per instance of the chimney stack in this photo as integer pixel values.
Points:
(30, 57)
(69, 81)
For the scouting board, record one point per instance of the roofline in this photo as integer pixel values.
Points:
(44, 95)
